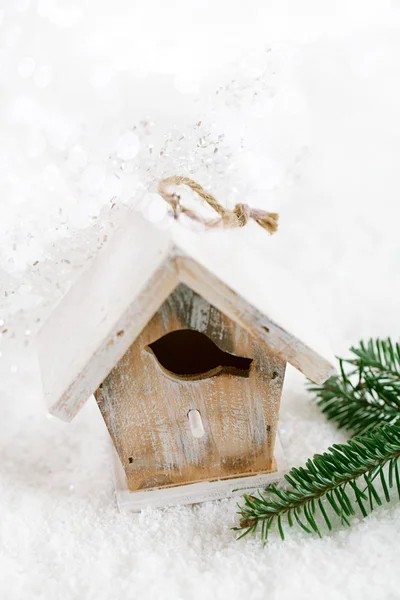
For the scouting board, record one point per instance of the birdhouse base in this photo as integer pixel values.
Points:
(194, 492)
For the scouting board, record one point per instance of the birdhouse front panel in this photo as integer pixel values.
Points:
(195, 398)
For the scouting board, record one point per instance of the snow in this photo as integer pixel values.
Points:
(293, 109)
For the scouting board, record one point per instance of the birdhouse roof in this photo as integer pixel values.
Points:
(106, 309)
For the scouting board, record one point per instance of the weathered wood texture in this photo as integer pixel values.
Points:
(146, 410)
(114, 346)
(276, 339)
(79, 344)
(120, 291)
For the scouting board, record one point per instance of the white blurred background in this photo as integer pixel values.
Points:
(289, 106)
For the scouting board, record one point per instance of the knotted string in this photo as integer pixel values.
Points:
(238, 217)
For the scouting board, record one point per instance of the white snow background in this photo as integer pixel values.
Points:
(291, 106)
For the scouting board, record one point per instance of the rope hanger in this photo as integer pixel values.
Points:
(238, 217)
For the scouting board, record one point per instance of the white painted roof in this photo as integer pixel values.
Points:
(80, 343)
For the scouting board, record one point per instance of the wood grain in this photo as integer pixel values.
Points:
(120, 290)
(146, 410)
(116, 343)
(276, 339)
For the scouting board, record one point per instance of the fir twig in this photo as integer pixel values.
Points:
(366, 392)
(335, 482)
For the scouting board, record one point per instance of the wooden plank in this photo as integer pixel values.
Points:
(78, 345)
(277, 340)
(146, 410)
(195, 492)
(117, 341)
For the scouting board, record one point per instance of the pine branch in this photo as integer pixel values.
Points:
(367, 392)
(336, 482)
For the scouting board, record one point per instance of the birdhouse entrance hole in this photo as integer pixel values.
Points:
(191, 355)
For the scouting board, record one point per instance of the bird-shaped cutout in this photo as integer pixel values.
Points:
(191, 355)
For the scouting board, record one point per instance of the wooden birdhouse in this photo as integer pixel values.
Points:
(175, 335)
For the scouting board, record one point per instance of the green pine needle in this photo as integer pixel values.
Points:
(366, 392)
(364, 398)
(336, 482)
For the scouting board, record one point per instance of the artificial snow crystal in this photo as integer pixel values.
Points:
(51, 177)
(77, 159)
(154, 208)
(128, 145)
(35, 143)
(93, 178)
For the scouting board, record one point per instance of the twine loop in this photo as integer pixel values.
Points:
(238, 217)
(243, 214)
